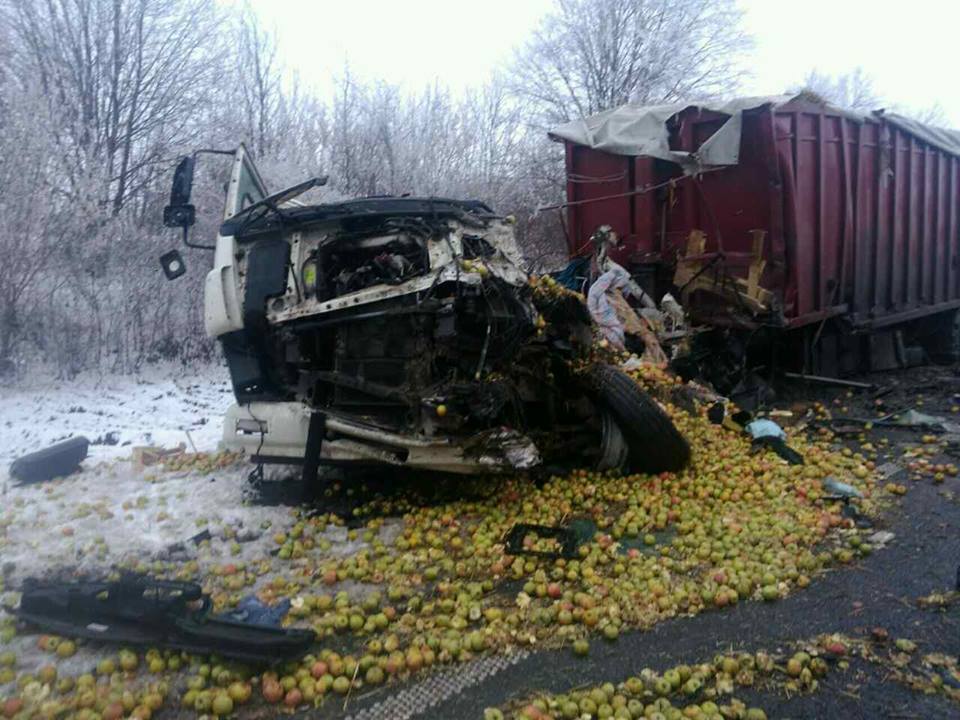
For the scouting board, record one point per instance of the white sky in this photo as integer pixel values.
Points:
(909, 48)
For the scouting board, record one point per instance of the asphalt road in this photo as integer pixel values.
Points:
(878, 591)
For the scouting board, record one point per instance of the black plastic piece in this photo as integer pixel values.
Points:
(780, 448)
(245, 350)
(267, 269)
(250, 382)
(55, 461)
(180, 213)
(138, 610)
(566, 540)
(173, 264)
(716, 413)
(311, 455)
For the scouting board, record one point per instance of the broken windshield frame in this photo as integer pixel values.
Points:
(473, 213)
(235, 224)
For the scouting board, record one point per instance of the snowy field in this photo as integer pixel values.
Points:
(112, 510)
(160, 407)
(114, 513)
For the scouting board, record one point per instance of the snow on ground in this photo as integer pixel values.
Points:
(112, 512)
(158, 408)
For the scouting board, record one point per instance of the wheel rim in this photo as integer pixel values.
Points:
(613, 446)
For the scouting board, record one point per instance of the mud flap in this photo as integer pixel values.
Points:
(311, 454)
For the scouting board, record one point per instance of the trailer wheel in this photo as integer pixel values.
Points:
(940, 337)
(655, 443)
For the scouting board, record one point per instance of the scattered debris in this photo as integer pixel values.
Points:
(764, 428)
(888, 469)
(780, 448)
(881, 538)
(766, 433)
(916, 419)
(939, 599)
(251, 610)
(840, 490)
(54, 461)
(716, 413)
(110, 438)
(820, 379)
(522, 540)
(145, 456)
(180, 549)
(142, 611)
(859, 519)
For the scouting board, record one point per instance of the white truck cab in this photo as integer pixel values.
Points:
(397, 331)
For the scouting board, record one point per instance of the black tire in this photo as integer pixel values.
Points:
(655, 443)
(55, 461)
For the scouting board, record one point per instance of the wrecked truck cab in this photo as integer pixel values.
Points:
(397, 331)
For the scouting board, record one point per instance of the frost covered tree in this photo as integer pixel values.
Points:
(855, 90)
(593, 55)
(98, 99)
(126, 76)
(100, 96)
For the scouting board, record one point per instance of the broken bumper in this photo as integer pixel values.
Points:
(277, 433)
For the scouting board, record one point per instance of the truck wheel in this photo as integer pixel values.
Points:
(614, 450)
(655, 443)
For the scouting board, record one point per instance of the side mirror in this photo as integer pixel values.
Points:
(173, 264)
(180, 213)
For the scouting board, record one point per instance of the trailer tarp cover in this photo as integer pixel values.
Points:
(638, 130)
(948, 140)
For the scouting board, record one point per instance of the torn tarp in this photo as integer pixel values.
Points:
(641, 130)
(602, 310)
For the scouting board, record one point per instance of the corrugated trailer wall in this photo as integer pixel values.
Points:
(861, 216)
(874, 233)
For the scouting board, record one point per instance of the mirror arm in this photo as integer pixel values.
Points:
(195, 246)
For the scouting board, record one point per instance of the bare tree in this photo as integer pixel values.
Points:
(259, 81)
(125, 76)
(854, 90)
(99, 97)
(593, 55)
(932, 115)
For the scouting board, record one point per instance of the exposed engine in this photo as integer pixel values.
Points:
(417, 325)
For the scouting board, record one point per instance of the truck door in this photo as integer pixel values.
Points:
(221, 295)
(246, 186)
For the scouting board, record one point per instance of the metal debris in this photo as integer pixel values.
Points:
(565, 538)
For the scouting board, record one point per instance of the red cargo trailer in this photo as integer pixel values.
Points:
(857, 213)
